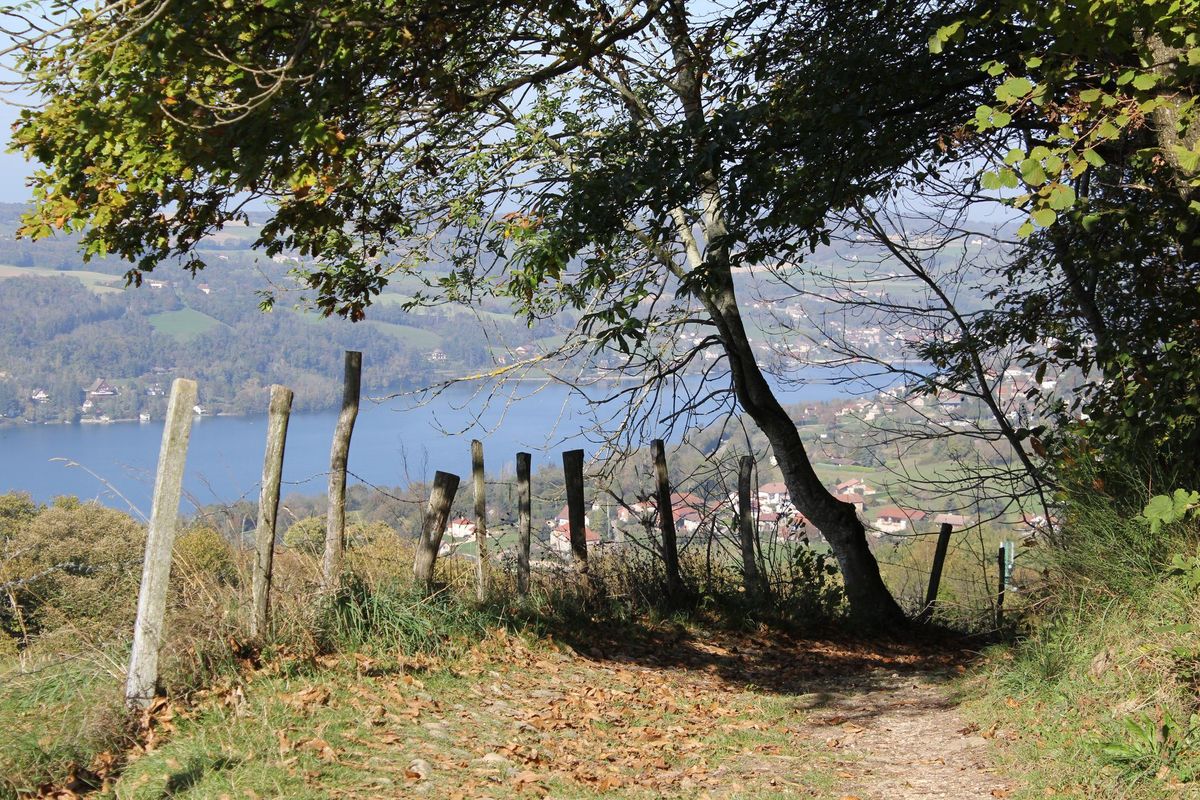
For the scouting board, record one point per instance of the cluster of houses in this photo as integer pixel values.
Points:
(775, 510)
(772, 506)
(97, 392)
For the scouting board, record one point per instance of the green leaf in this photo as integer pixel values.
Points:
(1014, 89)
(1062, 197)
(1093, 158)
(1145, 81)
(1189, 160)
(1089, 95)
(1043, 217)
(994, 68)
(1032, 172)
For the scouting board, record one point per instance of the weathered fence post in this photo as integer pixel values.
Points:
(935, 573)
(268, 507)
(1001, 560)
(335, 523)
(576, 519)
(441, 496)
(751, 580)
(524, 522)
(480, 487)
(666, 519)
(142, 679)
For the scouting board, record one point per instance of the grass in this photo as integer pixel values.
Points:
(514, 715)
(413, 337)
(184, 324)
(1098, 702)
(1098, 694)
(97, 282)
(56, 716)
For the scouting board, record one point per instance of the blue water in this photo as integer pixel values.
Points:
(395, 441)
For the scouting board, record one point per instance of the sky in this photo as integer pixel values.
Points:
(14, 169)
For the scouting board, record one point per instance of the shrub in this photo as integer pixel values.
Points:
(202, 551)
(75, 565)
(306, 536)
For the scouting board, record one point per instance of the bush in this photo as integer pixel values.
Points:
(201, 551)
(306, 536)
(74, 565)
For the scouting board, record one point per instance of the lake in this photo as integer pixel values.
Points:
(395, 441)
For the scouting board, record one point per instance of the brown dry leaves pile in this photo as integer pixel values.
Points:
(672, 715)
(663, 713)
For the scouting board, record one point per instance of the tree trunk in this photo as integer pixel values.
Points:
(871, 605)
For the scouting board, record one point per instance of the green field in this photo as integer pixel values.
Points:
(413, 337)
(184, 324)
(98, 282)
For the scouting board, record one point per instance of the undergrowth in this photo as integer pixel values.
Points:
(1099, 693)
(62, 664)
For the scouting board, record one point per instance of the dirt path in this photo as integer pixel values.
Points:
(662, 713)
(903, 738)
(882, 714)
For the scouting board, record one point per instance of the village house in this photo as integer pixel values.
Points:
(40, 396)
(461, 528)
(957, 520)
(788, 526)
(860, 505)
(856, 486)
(688, 510)
(560, 539)
(563, 519)
(774, 496)
(893, 519)
(101, 388)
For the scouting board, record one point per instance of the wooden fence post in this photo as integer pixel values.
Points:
(935, 573)
(666, 519)
(524, 522)
(335, 523)
(573, 477)
(142, 680)
(1001, 561)
(480, 487)
(751, 580)
(441, 496)
(268, 507)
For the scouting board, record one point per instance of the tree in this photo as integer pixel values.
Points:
(1093, 135)
(620, 162)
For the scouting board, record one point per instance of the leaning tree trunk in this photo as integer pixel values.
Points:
(871, 603)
